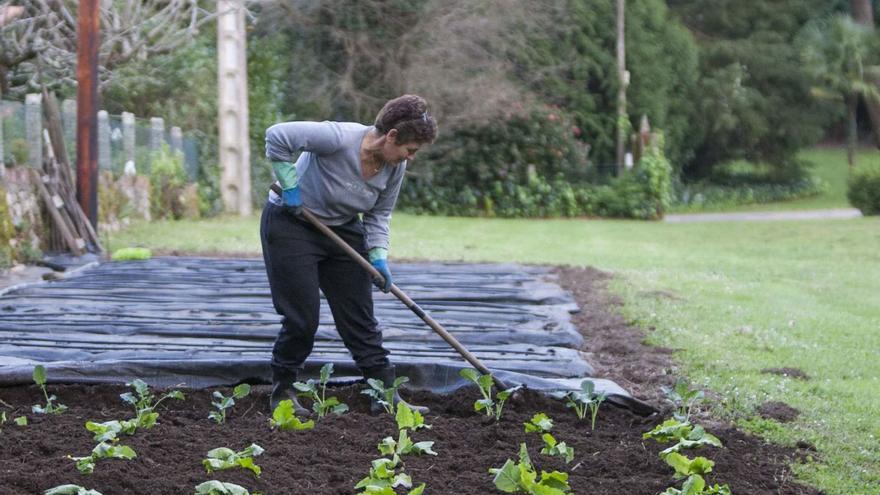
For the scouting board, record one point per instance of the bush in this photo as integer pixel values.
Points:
(863, 189)
(168, 186)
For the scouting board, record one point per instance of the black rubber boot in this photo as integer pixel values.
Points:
(387, 376)
(282, 389)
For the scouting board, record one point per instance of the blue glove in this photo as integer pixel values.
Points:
(291, 198)
(379, 260)
(285, 172)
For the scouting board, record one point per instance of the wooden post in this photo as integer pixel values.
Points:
(2, 150)
(104, 160)
(33, 128)
(176, 140)
(157, 133)
(623, 80)
(88, 41)
(234, 147)
(128, 139)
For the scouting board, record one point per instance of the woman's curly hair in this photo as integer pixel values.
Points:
(409, 115)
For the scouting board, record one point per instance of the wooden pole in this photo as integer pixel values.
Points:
(623, 80)
(88, 41)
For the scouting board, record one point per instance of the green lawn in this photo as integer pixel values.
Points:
(829, 164)
(747, 296)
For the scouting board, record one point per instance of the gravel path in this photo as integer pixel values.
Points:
(841, 213)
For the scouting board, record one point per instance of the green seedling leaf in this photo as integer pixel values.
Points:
(40, 374)
(223, 403)
(407, 418)
(241, 391)
(685, 466)
(224, 458)
(521, 477)
(552, 448)
(539, 423)
(215, 487)
(70, 490)
(382, 395)
(696, 438)
(21, 421)
(284, 419)
(669, 430)
(103, 450)
(104, 432)
(585, 399)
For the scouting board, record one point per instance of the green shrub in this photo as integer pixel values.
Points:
(702, 195)
(863, 189)
(167, 182)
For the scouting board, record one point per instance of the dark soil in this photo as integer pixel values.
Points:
(787, 372)
(332, 458)
(780, 411)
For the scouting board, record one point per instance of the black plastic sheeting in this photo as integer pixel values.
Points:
(206, 322)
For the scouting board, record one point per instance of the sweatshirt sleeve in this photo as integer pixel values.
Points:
(286, 139)
(377, 221)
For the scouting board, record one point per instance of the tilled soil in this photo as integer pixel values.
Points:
(336, 454)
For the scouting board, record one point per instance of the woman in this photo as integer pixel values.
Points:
(344, 169)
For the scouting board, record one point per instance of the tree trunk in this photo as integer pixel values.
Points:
(851, 130)
(863, 13)
(623, 79)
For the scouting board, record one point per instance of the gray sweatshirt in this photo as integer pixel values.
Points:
(329, 170)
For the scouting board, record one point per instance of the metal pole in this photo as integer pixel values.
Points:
(88, 42)
(448, 337)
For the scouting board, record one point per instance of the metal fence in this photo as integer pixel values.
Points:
(17, 143)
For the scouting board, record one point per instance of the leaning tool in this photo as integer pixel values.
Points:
(466, 354)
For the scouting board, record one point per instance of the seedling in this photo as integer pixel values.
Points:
(223, 403)
(521, 477)
(686, 435)
(585, 399)
(407, 418)
(284, 419)
(103, 450)
(51, 407)
(224, 458)
(685, 466)
(21, 421)
(383, 479)
(215, 487)
(109, 430)
(145, 404)
(683, 398)
(404, 446)
(539, 423)
(696, 485)
(487, 404)
(70, 490)
(382, 395)
(317, 391)
(558, 449)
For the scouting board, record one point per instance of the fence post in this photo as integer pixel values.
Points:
(2, 150)
(104, 161)
(68, 121)
(33, 122)
(157, 133)
(128, 138)
(177, 140)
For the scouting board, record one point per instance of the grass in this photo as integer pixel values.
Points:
(745, 296)
(829, 164)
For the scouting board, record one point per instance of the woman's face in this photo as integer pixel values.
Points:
(393, 152)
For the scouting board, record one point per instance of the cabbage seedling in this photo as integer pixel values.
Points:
(539, 423)
(21, 421)
(686, 435)
(558, 449)
(284, 419)
(685, 466)
(487, 404)
(407, 418)
(383, 478)
(215, 487)
(51, 407)
(317, 391)
(521, 477)
(224, 458)
(404, 446)
(223, 403)
(103, 450)
(382, 395)
(683, 398)
(144, 404)
(696, 485)
(585, 399)
(70, 490)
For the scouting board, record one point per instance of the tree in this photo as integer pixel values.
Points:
(42, 40)
(837, 52)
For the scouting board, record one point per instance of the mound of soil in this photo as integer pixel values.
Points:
(787, 372)
(336, 454)
(780, 411)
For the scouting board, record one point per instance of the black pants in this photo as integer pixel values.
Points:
(299, 260)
